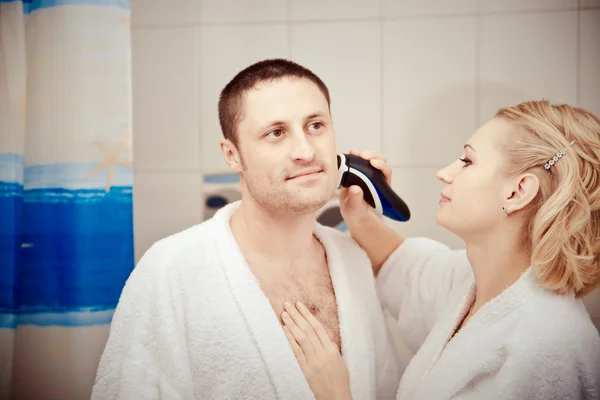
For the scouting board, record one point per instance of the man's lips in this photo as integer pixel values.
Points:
(306, 172)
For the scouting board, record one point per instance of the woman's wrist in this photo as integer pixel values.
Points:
(363, 222)
(376, 238)
(345, 394)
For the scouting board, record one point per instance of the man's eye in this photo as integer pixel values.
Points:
(316, 125)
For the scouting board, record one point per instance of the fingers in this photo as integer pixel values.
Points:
(303, 324)
(384, 168)
(316, 325)
(295, 347)
(352, 197)
(355, 192)
(369, 155)
(377, 160)
(302, 333)
(352, 194)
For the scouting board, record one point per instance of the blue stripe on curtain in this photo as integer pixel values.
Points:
(11, 201)
(30, 6)
(75, 247)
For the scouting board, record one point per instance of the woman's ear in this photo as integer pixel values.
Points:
(232, 155)
(522, 191)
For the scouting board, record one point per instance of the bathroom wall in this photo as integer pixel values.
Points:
(410, 78)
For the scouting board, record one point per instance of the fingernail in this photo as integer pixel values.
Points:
(287, 304)
(300, 305)
(285, 315)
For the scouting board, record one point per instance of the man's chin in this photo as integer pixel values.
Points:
(307, 203)
(306, 207)
(299, 200)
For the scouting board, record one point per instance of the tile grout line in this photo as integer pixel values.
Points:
(197, 92)
(288, 18)
(175, 171)
(382, 77)
(288, 13)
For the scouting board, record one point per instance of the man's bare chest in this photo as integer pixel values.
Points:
(313, 288)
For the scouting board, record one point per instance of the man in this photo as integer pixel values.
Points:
(199, 318)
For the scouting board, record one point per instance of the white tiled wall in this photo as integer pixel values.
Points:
(525, 56)
(429, 74)
(412, 78)
(165, 100)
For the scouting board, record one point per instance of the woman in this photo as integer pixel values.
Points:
(503, 319)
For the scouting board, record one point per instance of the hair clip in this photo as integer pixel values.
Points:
(558, 156)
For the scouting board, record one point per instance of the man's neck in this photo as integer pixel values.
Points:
(279, 237)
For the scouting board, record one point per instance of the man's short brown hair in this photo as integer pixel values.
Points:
(231, 99)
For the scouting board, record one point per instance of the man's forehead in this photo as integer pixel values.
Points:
(284, 100)
(284, 89)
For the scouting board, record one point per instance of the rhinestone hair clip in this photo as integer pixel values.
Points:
(558, 156)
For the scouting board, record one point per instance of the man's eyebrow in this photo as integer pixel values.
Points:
(272, 124)
(275, 123)
(315, 115)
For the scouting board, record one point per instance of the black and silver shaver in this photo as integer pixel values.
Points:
(355, 170)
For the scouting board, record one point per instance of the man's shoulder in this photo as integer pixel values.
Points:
(172, 260)
(165, 251)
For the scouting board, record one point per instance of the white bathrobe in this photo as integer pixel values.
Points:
(193, 323)
(524, 344)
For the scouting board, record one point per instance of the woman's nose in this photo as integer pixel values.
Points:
(444, 175)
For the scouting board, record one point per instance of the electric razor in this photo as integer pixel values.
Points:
(355, 170)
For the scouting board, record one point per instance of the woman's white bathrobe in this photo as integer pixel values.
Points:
(524, 344)
(193, 323)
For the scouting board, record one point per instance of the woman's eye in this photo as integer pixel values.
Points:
(276, 133)
(466, 161)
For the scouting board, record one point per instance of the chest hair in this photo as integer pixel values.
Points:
(311, 286)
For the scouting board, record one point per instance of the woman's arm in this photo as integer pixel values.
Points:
(415, 276)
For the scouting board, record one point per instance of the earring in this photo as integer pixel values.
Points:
(505, 211)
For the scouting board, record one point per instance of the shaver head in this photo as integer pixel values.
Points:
(355, 170)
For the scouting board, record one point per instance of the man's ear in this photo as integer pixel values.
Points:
(522, 192)
(231, 155)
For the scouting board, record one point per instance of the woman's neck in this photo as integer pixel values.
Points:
(497, 263)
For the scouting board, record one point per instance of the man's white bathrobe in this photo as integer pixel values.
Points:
(525, 344)
(193, 323)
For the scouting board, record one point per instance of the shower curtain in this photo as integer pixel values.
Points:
(66, 223)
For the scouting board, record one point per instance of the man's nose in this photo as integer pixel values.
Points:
(302, 149)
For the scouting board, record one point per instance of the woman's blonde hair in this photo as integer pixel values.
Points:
(564, 228)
